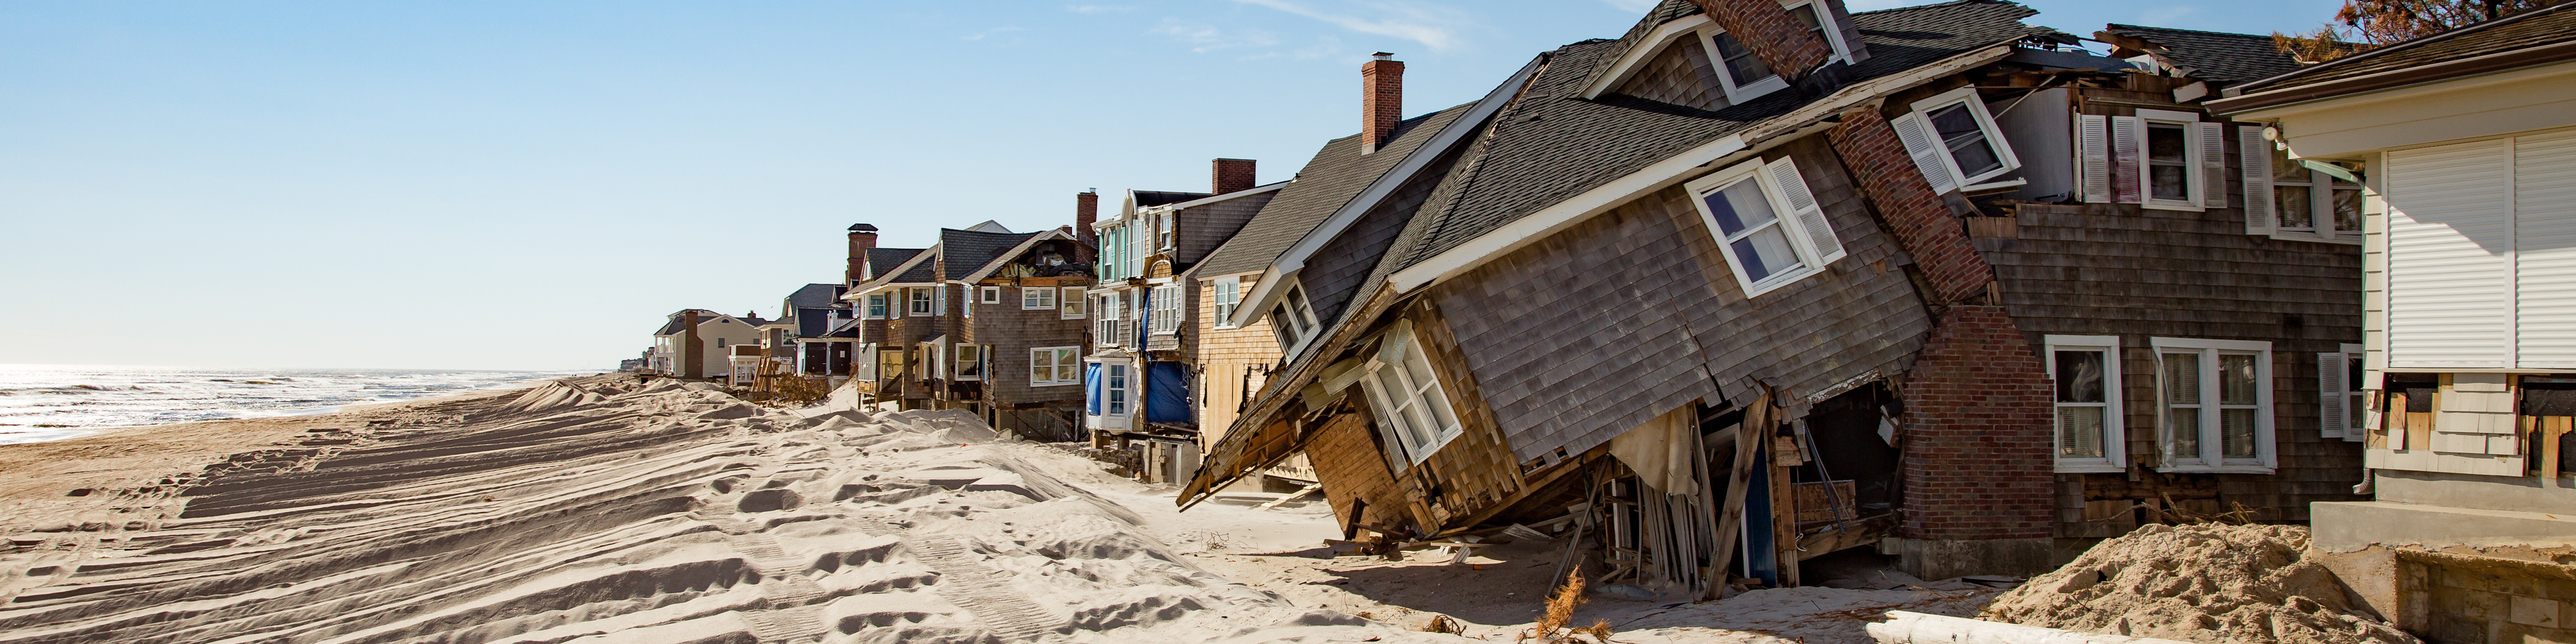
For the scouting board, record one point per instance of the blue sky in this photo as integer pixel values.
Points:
(533, 185)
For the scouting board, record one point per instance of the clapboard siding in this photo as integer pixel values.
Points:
(1632, 313)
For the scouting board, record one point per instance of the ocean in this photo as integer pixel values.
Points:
(53, 402)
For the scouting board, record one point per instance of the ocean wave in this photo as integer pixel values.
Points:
(71, 401)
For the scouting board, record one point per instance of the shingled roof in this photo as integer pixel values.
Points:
(887, 259)
(1552, 144)
(1337, 174)
(2214, 56)
(969, 250)
(813, 296)
(1151, 198)
(2538, 27)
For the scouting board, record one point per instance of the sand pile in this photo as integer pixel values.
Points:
(2214, 584)
(602, 511)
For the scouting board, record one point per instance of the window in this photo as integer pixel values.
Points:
(1766, 222)
(1104, 332)
(2086, 369)
(1292, 320)
(1407, 396)
(970, 362)
(1037, 297)
(1954, 141)
(720, 343)
(841, 313)
(991, 294)
(1166, 301)
(1166, 230)
(1136, 248)
(2287, 199)
(920, 302)
(1053, 366)
(2341, 413)
(2171, 159)
(877, 306)
(2216, 401)
(1227, 294)
(1744, 77)
(1116, 388)
(1072, 301)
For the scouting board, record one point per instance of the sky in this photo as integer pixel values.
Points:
(535, 184)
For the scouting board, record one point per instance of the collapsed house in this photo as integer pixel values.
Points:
(1764, 280)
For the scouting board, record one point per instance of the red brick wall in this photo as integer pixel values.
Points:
(1978, 432)
(1230, 175)
(1907, 205)
(1776, 37)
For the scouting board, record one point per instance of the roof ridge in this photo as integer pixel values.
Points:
(2188, 31)
(1936, 4)
(2417, 43)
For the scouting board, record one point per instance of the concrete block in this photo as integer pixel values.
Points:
(2352, 526)
(1947, 558)
(2526, 634)
(2482, 605)
(2531, 611)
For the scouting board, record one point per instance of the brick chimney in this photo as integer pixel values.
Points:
(1777, 38)
(1086, 209)
(1382, 99)
(862, 238)
(1230, 176)
(693, 352)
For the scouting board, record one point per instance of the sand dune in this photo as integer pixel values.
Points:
(600, 510)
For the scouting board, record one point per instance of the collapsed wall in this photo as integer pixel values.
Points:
(2212, 584)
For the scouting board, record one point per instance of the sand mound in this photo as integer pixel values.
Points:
(610, 513)
(2214, 584)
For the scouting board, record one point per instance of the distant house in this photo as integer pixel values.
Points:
(705, 349)
(804, 334)
(980, 321)
(2457, 155)
(1772, 280)
(1138, 377)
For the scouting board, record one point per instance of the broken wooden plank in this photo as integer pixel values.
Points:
(1309, 489)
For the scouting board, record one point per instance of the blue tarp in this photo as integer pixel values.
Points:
(1167, 393)
(1091, 387)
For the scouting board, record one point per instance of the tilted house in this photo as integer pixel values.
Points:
(1736, 317)
(2460, 149)
(1138, 378)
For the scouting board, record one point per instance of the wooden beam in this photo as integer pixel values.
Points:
(1730, 523)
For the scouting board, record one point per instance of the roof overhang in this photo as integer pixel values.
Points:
(1673, 170)
(1645, 50)
(2449, 70)
(860, 292)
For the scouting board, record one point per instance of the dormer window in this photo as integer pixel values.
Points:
(1746, 77)
(1955, 142)
(1165, 229)
(1293, 320)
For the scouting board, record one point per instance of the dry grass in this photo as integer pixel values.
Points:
(1551, 627)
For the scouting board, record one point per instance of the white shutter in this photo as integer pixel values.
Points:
(2095, 134)
(2213, 164)
(2256, 154)
(2545, 250)
(1803, 209)
(2449, 294)
(2128, 159)
(1927, 151)
(2330, 396)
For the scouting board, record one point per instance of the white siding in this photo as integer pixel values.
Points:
(2449, 226)
(2545, 250)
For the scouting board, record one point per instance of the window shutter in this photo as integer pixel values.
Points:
(2164, 422)
(2213, 165)
(1804, 209)
(2256, 155)
(2095, 134)
(2128, 160)
(2330, 397)
(1926, 150)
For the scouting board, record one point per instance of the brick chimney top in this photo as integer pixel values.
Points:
(1381, 100)
(1086, 209)
(1230, 176)
(862, 228)
(862, 238)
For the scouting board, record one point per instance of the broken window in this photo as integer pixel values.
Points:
(1954, 141)
(970, 362)
(1408, 398)
(1766, 222)
(1050, 366)
(2086, 369)
(2216, 405)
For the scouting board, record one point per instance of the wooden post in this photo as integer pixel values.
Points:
(2551, 429)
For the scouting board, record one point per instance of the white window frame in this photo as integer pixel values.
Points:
(2260, 172)
(2115, 457)
(1071, 303)
(2194, 146)
(970, 354)
(990, 294)
(1117, 390)
(1104, 328)
(1738, 94)
(1932, 154)
(2210, 457)
(1796, 217)
(918, 302)
(1299, 328)
(1165, 318)
(1055, 358)
(1226, 294)
(1166, 230)
(1034, 298)
(1422, 418)
(880, 306)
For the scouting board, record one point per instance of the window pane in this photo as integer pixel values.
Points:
(2352, 374)
(2079, 432)
(1741, 65)
(2347, 210)
(2353, 413)
(2182, 378)
(2186, 433)
(2295, 206)
(2236, 381)
(2236, 433)
(1067, 363)
(2079, 376)
(2166, 142)
(1765, 253)
(2286, 170)
(2172, 182)
(1957, 126)
(1740, 207)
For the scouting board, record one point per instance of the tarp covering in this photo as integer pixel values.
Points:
(1664, 451)
(1167, 392)
(1091, 388)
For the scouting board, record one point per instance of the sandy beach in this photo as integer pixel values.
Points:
(605, 510)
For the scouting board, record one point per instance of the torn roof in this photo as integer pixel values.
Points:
(2544, 26)
(1152, 198)
(1552, 145)
(2214, 56)
(1337, 174)
(968, 251)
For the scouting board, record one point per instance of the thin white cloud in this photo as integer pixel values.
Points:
(1203, 37)
(1633, 5)
(980, 35)
(1431, 26)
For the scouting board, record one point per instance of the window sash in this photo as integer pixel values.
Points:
(877, 306)
(2089, 433)
(1037, 297)
(991, 294)
(2215, 418)
(1793, 243)
(920, 302)
(1167, 309)
(1410, 399)
(970, 362)
(1049, 366)
(1227, 296)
